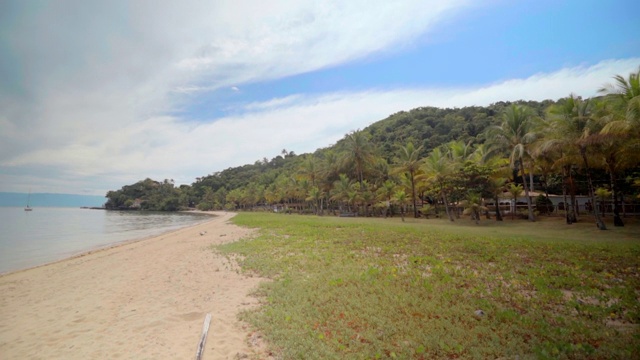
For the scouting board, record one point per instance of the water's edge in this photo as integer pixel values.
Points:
(64, 256)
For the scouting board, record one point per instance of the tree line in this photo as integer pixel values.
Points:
(440, 161)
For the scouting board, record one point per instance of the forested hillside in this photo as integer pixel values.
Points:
(431, 160)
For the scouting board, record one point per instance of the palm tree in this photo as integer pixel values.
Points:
(342, 189)
(473, 206)
(621, 131)
(315, 195)
(624, 90)
(367, 196)
(496, 187)
(358, 151)
(400, 198)
(310, 169)
(515, 135)
(385, 194)
(574, 131)
(438, 168)
(408, 161)
(515, 191)
(500, 172)
(602, 194)
(329, 170)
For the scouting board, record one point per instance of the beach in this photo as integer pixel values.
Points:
(141, 300)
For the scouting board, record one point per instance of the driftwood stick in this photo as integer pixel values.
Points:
(203, 338)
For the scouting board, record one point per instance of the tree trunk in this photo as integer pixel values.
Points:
(526, 192)
(531, 179)
(498, 215)
(599, 221)
(446, 206)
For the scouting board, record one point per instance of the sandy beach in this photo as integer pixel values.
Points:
(142, 300)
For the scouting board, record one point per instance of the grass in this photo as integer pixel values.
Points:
(379, 288)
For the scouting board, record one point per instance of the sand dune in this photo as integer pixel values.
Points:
(142, 300)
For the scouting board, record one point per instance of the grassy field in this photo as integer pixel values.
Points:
(359, 288)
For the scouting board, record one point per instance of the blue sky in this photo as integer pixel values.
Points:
(96, 95)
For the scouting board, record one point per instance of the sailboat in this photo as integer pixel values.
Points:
(28, 199)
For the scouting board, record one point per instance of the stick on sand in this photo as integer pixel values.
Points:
(203, 338)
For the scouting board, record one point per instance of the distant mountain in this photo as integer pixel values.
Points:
(50, 200)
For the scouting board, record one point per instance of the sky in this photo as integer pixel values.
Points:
(95, 95)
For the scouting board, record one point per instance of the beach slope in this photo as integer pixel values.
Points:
(142, 300)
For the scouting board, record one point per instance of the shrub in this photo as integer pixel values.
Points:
(544, 205)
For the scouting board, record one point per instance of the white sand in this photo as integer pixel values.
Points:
(142, 300)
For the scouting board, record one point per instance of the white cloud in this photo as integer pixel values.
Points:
(166, 147)
(88, 81)
(84, 109)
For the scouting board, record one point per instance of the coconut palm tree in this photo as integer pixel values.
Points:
(624, 89)
(496, 187)
(574, 130)
(437, 169)
(342, 189)
(401, 198)
(385, 194)
(358, 152)
(473, 206)
(408, 161)
(310, 169)
(621, 132)
(316, 195)
(499, 175)
(515, 191)
(602, 195)
(515, 135)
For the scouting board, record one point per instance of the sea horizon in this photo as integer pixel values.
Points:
(49, 234)
(39, 199)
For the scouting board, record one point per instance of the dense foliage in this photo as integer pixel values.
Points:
(429, 160)
(148, 195)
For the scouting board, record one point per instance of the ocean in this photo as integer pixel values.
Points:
(44, 235)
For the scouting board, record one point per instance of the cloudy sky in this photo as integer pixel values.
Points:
(98, 94)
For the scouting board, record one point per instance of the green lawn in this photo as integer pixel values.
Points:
(371, 288)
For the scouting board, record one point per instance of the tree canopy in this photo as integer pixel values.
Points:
(428, 158)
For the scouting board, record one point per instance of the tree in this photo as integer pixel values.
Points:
(359, 152)
(401, 198)
(316, 195)
(621, 131)
(602, 194)
(473, 206)
(499, 174)
(438, 168)
(496, 187)
(342, 189)
(310, 169)
(515, 191)
(385, 194)
(574, 131)
(408, 161)
(515, 135)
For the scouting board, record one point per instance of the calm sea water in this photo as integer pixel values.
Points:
(31, 238)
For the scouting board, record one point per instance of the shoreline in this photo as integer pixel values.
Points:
(95, 248)
(145, 298)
